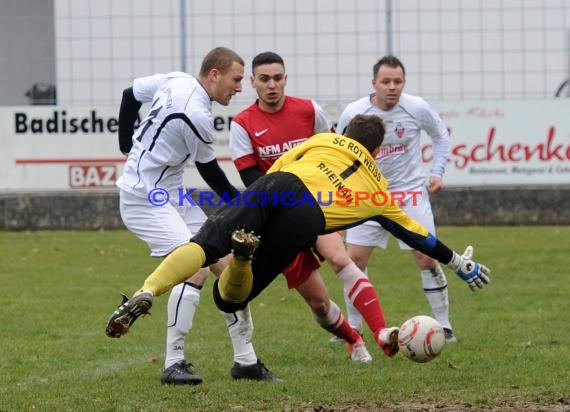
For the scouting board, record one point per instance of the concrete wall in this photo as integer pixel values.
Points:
(503, 206)
(453, 206)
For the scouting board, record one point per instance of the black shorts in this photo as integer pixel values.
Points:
(275, 207)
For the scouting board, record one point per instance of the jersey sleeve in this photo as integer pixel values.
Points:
(144, 88)
(343, 121)
(402, 226)
(435, 128)
(399, 224)
(199, 136)
(322, 122)
(241, 148)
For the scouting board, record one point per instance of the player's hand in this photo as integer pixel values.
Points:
(435, 184)
(475, 274)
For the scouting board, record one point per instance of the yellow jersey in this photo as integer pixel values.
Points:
(344, 179)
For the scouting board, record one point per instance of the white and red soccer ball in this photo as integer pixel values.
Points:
(421, 338)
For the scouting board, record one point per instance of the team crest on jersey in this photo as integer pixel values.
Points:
(399, 130)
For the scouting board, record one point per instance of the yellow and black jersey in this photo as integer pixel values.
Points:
(327, 183)
(344, 179)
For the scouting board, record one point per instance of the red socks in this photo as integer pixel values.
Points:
(366, 301)
(343, 330)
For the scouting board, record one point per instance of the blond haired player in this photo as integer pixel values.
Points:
(178, 129)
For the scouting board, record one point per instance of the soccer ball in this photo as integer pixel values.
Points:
(421, 338)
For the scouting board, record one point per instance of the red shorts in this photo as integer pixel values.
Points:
(301, 268)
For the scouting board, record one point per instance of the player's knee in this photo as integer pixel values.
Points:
(200, 277)
(425, 262)
(360, 259)
(339, 261)
(218, 267)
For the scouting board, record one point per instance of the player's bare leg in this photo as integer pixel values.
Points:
(329, 316)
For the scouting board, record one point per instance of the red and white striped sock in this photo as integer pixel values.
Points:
(335, 323)
(363, 296)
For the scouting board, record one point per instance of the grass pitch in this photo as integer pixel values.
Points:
(59, 288)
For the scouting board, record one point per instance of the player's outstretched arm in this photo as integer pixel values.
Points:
(416, 236)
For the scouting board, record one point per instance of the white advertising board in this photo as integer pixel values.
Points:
(492, 143)
(56, 148)
(507, 143)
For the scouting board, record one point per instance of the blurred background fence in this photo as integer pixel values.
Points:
(454, 50)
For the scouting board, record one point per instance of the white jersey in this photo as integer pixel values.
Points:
(177, 129)
(400, 157)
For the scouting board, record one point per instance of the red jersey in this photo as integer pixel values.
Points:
(258, 138)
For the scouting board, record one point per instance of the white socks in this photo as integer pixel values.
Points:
(435, 288)
(240, 328)
(182, 303)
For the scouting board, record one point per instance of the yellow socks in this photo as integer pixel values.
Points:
(236, 281)
(175, 268)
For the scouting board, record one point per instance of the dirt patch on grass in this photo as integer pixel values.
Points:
(562, 405)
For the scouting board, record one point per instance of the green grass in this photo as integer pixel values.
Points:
(58, 289)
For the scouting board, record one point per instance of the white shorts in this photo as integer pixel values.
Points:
(373, 234)
(163, 228)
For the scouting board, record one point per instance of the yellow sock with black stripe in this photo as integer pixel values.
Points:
(174, 269)
(236, 281)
